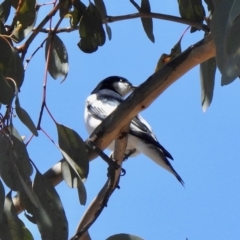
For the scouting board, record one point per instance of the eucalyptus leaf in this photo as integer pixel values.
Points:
(26, 13)
(165, 58)
(6, 90)
(232, 67)
(218, 25)
(74, 150)
(50, 217)
(58, 58)
(65, 7)
(210, 5)
(192, 10)
(73, 181)
(91, 30)
(2, 197)
(207, 77)
(5, 7)
(101, 8)
(10, 63)
(21, 33)
(109, 32)
(13, 131)
(124, 236)
(25, 118)
(12, 227)
(147, 22)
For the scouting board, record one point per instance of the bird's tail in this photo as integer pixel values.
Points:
(159, 157)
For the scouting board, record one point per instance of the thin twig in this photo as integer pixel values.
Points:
(111, 19)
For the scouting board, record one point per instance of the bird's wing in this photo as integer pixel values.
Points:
(141, 129)
(103, 105)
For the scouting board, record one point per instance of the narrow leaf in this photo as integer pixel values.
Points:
(10, 63)
(147, 22)
(74, 150)
(2, 197)
(26, 13)
(210, 5)
(232, 67)
(165, 58)
(207, 77)
(109, 31)
(91, 30)
(101, 8)
(6, 90)
(8, 170)
(73, 181)
(50, 217)
(21, 33)
(25, 118)
(192, 10)
(58, 58)
(12, 227)
(5, 7)
(124, 236)
(219, 25)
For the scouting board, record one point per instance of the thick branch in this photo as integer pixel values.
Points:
(166, 17)
(140, 99)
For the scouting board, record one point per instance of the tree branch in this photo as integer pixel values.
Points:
(96, 207)
(111, 19)
(140, 99)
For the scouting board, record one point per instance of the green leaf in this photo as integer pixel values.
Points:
(26, 14)
(124, 236)
(5, 7)
(65, 7)
(232, 67)
(210, 5)
(91, 30)
(6, 90)
(10, 63)
(73, 181)
(50, 217)
(207, 77)
(219, 28)
(192, 10)
(14, 3)
(21, 33)
(15, 168)
(12, 227)
(75, 15)
(109, 31)
(2, 197)
(58, 58)
(8, 170)
(25, 118)
(101, 8)
(13, 131)
(165, 58)
(147, 22)
(73, 149)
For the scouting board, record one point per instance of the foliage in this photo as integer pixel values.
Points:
(37, 195)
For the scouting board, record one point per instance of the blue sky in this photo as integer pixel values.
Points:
(151, 203)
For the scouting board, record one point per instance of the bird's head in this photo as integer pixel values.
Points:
(117, 84)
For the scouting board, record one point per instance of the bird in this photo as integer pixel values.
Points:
(103, 100)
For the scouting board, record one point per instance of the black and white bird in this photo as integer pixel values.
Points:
(103, 100)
